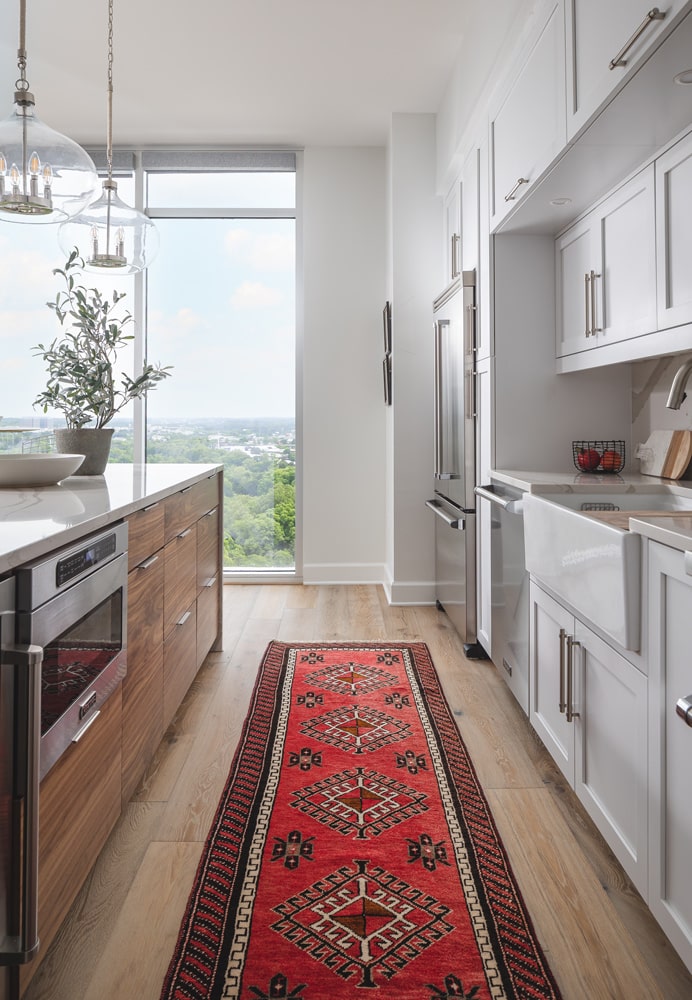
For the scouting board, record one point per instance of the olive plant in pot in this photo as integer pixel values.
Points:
(83, 383)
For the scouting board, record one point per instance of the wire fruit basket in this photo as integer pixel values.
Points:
(598, 456)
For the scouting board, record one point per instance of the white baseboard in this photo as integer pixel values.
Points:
(397, 593)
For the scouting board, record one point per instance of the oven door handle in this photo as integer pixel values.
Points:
(27, 660)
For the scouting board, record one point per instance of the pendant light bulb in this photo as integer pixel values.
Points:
(50, 177)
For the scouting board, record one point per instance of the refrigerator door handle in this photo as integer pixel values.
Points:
(22, 946)
(438, 401)
(453, 522)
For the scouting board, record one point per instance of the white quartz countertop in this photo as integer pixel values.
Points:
(673, 531)
(37, 520)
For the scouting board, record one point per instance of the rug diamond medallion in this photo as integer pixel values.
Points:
(353, 849)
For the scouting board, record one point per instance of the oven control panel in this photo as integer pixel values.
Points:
(77, 562)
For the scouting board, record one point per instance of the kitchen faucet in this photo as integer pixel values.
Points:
(677, 390)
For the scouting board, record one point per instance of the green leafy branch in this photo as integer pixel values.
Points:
(81, 380)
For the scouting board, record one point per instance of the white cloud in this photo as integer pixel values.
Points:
(255, 295)
(263, 251)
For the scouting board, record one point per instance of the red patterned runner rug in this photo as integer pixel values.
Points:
(353, 848)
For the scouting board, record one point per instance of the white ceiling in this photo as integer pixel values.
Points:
(303, 72)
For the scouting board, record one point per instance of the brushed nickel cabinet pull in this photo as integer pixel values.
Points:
(587, 300)
(184, 618)
(185, 533)
(571, 643)
(653, 15)
(512, 194)
(594, 329)
(148, 562)
(562, 670)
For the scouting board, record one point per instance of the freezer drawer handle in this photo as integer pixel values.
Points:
(684, 709)
(23, 946)
(453, 522)
(488, 493)
(688, 563)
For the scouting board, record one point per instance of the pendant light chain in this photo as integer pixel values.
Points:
(109, 118)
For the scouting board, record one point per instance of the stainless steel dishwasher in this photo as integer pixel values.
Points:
(509, 618)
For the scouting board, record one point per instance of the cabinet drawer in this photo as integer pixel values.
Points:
(180, 576)
(179, 662)
(144, 533)
(207, 617)
(189, 505)
(79, 806)
(143, 684)
(207, 547)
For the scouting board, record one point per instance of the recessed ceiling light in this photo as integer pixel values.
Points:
(684, 78)
(561, 201)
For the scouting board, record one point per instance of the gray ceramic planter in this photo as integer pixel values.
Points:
(92, 442)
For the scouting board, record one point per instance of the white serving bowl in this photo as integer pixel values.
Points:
(36, 469)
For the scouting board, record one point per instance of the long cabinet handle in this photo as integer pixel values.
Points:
(513, 193)
(587, 301)
(456, 270)
(562, 637)
(684, 709)
(653, 15)
(594, 329)
(570, 714)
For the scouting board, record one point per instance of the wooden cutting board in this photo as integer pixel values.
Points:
(621, 518)
(665, 453)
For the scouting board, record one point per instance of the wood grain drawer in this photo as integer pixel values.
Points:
(187, 506)
(143, 683)
(180, 576)
(78, 807)
(207, 617)
(179, 662)
(144, 533)
(207, 547)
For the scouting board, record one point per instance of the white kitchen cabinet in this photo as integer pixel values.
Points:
(452, 248)
(674, 234)
(527, 124)
(589, 706)
(670, 681)
(605, 269)
(596, 34)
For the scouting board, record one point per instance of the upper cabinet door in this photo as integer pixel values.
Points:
(674, 234)
(452, 249)
(527, 126)
(604, 42)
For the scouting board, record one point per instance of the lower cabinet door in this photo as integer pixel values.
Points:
(207, 617)
(670, 801)
(550, 624)
(611, 750)
(179, 661)
(79, 805)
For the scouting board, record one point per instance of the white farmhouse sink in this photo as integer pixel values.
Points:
(592, 565)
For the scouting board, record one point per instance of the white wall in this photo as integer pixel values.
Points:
(343, 410)
(415, 265)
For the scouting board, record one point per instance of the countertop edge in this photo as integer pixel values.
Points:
(183, 476)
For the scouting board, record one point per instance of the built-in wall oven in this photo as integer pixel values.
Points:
(73, 604)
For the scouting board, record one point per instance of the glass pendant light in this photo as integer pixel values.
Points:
(44, 176)
(108, 234)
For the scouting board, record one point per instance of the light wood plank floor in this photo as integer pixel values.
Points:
(119, 935)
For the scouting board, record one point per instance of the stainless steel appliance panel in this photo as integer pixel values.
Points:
(455, 565)
(509, 624)
(454, 392)
(20, 693)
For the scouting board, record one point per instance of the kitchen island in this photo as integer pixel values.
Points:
(170, 613)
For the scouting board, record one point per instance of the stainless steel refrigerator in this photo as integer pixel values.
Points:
(454, 502)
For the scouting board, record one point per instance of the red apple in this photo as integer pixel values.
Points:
(611, 461)
(588, 459)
